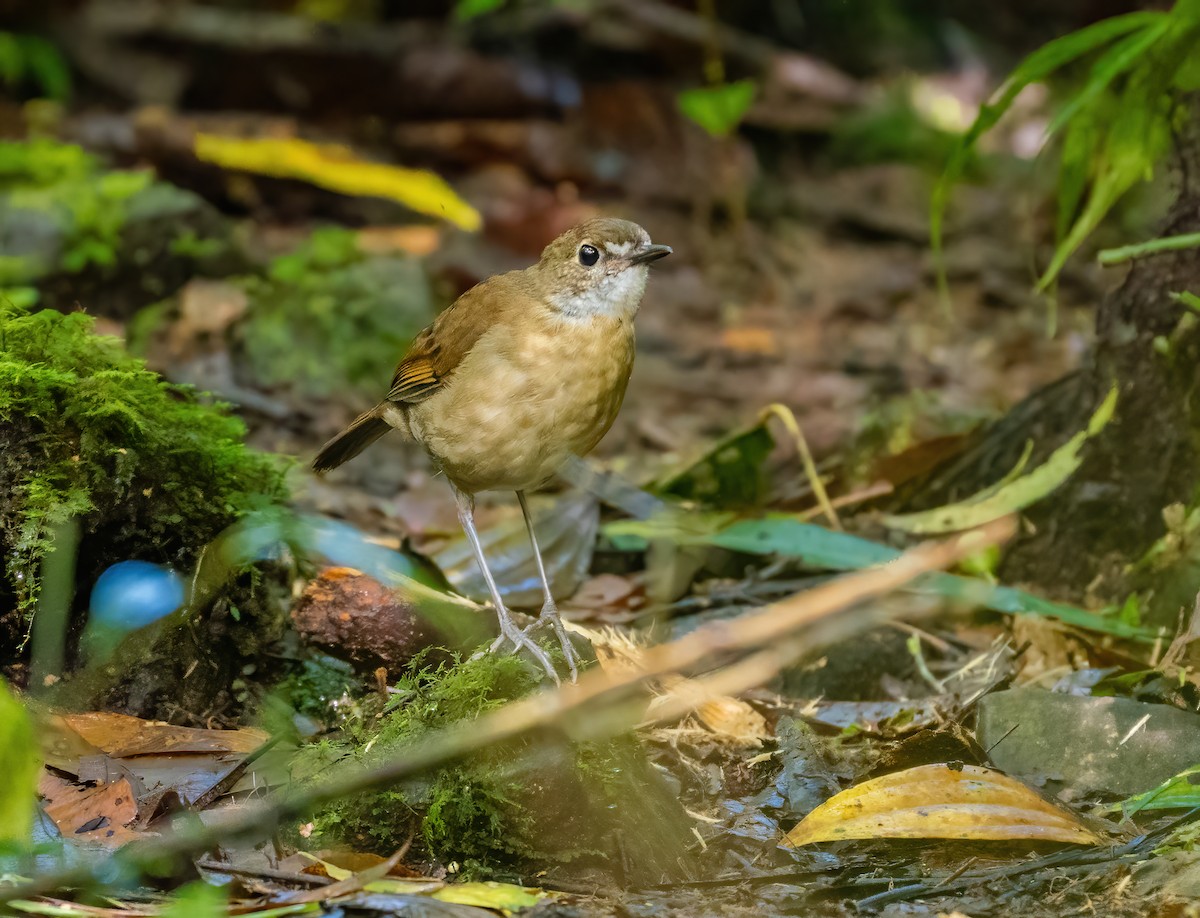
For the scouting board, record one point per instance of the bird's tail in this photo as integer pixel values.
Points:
(361, 433)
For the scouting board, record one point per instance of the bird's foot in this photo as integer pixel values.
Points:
(521, 639)
(549, 616)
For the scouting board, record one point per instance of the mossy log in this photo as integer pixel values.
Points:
(140, 468)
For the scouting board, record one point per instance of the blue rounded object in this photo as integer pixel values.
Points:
(131, 594)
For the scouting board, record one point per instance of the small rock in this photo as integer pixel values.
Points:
(1116, 745)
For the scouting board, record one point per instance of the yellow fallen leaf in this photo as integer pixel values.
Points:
(503, 897)
(337, 168)
(1012, 495)
(941, 801)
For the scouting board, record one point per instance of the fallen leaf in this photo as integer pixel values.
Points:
(121, 736)
(609, 598)
(941, 801)
(101, 812)
(337, 168)
(889, 718)
(750, 339)
(1009, 496)
(726, 717)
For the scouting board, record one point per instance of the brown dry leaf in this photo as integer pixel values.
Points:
(732, 718)
(942, 801)
(728, 718)
(606, 597)
(100, 813)
(750, 339)
(388, 240)
(1050, 650)
(120, 735)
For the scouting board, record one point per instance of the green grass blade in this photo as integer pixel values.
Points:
(1034, 68)
(1118, 59)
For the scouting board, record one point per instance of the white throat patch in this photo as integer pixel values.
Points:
(618, 295)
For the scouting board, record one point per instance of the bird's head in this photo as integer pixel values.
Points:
(598, 268)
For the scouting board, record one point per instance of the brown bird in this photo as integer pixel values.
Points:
(521, 372)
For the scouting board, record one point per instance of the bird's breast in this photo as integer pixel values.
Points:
(523, 400)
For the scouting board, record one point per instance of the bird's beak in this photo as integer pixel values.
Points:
(649, 253)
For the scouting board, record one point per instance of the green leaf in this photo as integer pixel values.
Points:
(20, 765)
(1136, 140)
(1190, 300)
(1034, 68)
(826, 549)
(469, 9)
(815, 545)
(728, 475)
(718, 109)
(992, 503)
(1118, 59)
(197, 900)
(1182, 790)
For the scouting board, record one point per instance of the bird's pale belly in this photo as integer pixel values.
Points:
(511, 419)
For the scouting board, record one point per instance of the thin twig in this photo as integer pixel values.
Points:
(596, 691)
(810, 467)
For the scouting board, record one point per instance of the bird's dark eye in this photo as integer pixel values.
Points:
(588, 255)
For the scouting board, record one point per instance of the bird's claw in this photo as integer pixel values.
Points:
(549, 616)
(520, 638)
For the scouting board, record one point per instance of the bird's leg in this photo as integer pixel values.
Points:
(549, 609)
(508, 628)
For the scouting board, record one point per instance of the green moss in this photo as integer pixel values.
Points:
(543, 800)
(468, 811)
(114, 239)
(325, 317)
(87, 432)
(315, 688)
(87, 206)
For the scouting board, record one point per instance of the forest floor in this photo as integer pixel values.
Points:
(815, 290)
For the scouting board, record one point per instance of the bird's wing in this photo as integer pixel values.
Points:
(439, 349)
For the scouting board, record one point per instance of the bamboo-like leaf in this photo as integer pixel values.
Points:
(1178, 791)
(821, 548)
(1118, 59)
(1034, 68)
(991, 503)
(1136, 140)
(942, 801)
(338, 169)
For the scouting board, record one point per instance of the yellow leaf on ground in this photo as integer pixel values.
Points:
(942, 801)
(338, 169)
(503, 897)
(1010, 495)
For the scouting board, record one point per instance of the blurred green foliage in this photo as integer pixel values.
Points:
(86, 432)
(21, 764)
(718, 108)
(29, 59)
(1113, 130)
(60, 211)
(325, 317)
(892, 130)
